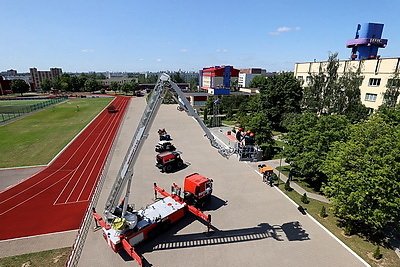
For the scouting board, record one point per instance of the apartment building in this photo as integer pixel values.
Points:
(38, 76)
(377, 74)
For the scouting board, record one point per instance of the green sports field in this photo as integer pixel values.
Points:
(37, 138)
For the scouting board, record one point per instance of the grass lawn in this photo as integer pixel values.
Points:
(37, 138)
(357, 243)
(56, 257)
(300, 181)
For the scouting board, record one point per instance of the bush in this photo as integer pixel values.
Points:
(348, 229)
(322, 213)
(377, 253)
(304, 199)
(287, 186)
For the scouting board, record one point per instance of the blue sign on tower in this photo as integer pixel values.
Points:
(367, 41)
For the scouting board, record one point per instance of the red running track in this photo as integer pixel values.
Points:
(56, 199)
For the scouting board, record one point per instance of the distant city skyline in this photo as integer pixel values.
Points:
(139, 36)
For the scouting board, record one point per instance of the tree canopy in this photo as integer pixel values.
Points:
(328, 93)
(19, 86)
(280, 94)
(363, 174)
(309, 140)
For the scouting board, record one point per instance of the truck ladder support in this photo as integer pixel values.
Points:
(131, 251)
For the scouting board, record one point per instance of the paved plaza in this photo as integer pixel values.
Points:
(253, 224)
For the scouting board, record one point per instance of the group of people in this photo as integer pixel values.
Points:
(245, 138)
(268, 178)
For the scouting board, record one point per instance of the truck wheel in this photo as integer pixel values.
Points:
(179, 164)
(168, 168)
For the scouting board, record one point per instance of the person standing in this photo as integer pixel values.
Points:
(290, 175)
(239, 134)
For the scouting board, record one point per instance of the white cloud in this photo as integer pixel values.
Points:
(87, 50)
(184, 50)
(222, 50)
(140, 59)
(284, 29)
(158, 59)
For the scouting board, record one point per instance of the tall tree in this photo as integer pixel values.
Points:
(328, 93)
(114, 86)
(309, 140)
(363, 174)
(92, 85)
(19, 86)
(280, 94)
(391, 95)
(257, 82)
(127, 87)
(177, 78)
(260, 125)
(45, 85)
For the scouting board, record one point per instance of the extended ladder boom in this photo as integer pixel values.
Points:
(124, 178)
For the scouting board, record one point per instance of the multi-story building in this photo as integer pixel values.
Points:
(218, 80)
(38, 76)
(377, 74)
(246, 75)
(119, 80)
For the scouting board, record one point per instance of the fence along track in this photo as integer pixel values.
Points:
(12, 112)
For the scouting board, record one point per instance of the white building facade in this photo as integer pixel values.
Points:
(377, 73)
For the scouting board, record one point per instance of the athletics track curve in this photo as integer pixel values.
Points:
(56, 198)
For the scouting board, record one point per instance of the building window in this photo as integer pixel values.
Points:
(370, 97)
(374, 81)
(308, 79)
(300, 78)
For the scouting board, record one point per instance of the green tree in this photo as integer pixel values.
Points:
(19, 86)
(177, 78)
(135, 86)
(56, 83)
(363, 175)
(280, 94)
(127, 87)
(328, 93)
(91, 85)
(391, 95)
(309, 140)
(258, 81)
(75, 84)
(194, 82)
(45, 85)
(114, 86)
(260, 125)
(65, 82)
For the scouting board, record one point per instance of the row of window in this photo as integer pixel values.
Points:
(372, 81)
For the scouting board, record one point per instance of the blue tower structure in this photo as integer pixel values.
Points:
(367, 41)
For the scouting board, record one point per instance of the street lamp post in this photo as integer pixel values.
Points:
(280, 164)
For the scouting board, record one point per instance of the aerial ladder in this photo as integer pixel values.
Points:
(122, 226)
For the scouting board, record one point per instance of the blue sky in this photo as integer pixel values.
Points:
(132, 35)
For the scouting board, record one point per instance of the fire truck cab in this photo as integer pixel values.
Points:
(197, 190)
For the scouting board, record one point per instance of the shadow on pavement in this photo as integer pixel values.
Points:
(172, 240)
